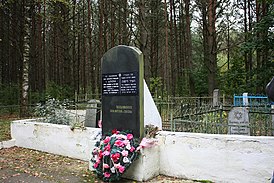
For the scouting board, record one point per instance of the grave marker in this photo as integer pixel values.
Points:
(92, 115)
(216, 97)
(122, 90)
(238, 121)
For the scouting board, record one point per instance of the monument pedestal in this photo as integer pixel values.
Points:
(146, 167)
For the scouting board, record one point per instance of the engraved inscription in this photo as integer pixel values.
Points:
(110, 84)
(122, 109)
(120, 84)
(128, 83)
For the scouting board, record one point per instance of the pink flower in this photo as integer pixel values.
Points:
(132, 149)
(138, 148)
(129, 136)
(95, 165)
(95, 150)
(100, 154)
(121, 169)
(115, 157)
(107, 147)
(114, 131)
(117, 165)
(119, 143)
(124, 153)
(105, 165)
(106, 153)
(147, 143)
(106, 174)
(98, 160)
(107, 139)
(126, 142)
(100, 123)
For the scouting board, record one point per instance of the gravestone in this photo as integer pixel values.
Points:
(92, 115)
(245, 99)
(216, 97)
(238, 121)
(122, 90)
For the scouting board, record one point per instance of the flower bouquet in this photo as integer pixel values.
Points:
(114, 154)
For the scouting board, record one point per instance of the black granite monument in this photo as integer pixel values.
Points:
(122, 90)
(270, 89)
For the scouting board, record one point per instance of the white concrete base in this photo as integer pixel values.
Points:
(53, 138)
(7, 144)
(146, 167)
(218, 158)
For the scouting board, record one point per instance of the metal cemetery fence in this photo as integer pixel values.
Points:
(250, 100)
(199, 116)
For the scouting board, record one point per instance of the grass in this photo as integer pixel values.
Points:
(5, 129)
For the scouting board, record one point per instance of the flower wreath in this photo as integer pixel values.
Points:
(114, 154)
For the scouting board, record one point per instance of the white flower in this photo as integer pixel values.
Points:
(121, 136)
(112, 169)
(128, 147)
(125, 160)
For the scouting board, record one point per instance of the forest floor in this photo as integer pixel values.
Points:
(18, 165)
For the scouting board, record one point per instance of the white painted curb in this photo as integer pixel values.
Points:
(7, 144)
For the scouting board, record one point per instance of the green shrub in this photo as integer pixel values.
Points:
(53, 111)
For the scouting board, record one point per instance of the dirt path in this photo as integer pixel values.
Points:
(18, 165)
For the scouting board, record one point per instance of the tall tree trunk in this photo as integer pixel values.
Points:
(172, 60)
(78, 62)
(90, 63)
(124, 22)
(40, 48)
(100, 43)
(166, 62)
(209, 42)
(44, 65)
(188, 46)
(205, 36)
(74, 63)
(262, 50)
(144, 37)
(84, 64)
(112, 22)
(25, 57)
(246, 39)
(212, 44)
(2, 22)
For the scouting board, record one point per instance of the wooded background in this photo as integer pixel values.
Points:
(190, 47)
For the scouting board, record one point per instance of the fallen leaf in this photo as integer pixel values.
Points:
(14, 175)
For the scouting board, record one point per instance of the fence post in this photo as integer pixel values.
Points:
(216, 95)
(171, 122)
(75, 96)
